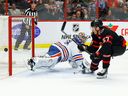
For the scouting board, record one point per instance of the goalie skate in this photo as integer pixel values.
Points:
(87, 71)
(84, 71)
(102, 74)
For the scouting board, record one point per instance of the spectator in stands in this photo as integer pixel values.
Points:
(110, 16)
(123, 3)
(53, 7)
(79, 7)
(112, 3)
(51, 10)
(92, 9)
(119, 10)
(21, 4)
(2, 9)
(124, 13)
(14, 11)
(73, 17)
(103, 9)
(85, 12)
(79, 15)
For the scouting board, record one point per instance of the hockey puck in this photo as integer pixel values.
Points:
(5, 49)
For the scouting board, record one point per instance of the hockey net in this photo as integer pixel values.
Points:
(13, 61)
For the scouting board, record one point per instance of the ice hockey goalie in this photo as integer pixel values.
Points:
(65, 50)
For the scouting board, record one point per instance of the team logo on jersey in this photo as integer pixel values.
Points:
(112, 27)
(16, 30)
(75, 27)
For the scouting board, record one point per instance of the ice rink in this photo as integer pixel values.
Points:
(60, 81)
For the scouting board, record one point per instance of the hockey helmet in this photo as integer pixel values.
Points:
(83, 36)
(97, 23)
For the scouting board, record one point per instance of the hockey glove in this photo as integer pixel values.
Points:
(31, 63)
(82, 47)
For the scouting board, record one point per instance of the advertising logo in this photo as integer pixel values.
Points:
(16, 30)
(112, 27)
(75, 27)
(124, 31)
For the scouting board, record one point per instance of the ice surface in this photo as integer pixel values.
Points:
(61, 81)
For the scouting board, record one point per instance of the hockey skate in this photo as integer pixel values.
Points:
(102, 74)
(31, 63)
(87, 71)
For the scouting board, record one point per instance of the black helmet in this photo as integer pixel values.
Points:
(97, 23)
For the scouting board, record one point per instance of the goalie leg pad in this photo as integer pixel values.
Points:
(46, 62)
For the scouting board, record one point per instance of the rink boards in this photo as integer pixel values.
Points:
(50, 32)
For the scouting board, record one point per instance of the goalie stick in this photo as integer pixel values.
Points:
(62, 30)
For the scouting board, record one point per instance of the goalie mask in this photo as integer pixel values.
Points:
(83, 37)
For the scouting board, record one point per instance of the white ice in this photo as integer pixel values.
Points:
(60, 81)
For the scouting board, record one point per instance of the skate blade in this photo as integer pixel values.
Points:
(101, 77)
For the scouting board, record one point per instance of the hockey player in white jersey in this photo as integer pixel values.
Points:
(60, 52)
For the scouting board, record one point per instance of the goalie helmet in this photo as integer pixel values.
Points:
(97, 23)
(83, 37)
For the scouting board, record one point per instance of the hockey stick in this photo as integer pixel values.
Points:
(63, 27)
(62, 30)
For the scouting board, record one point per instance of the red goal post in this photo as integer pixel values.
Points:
(11, 20)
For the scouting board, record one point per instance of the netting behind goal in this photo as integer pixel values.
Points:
(13, 61)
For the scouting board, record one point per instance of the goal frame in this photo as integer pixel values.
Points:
(10, 62)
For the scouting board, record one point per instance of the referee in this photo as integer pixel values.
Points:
(26, 26)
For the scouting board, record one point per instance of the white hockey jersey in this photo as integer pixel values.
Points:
(65, 50)
(68, 51)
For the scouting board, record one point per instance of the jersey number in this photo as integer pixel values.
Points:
(106, 39)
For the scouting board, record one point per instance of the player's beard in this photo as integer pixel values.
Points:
(96, 31)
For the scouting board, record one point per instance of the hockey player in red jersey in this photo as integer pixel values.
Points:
(62, 51)
(105, 44)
